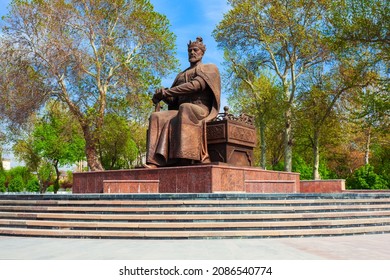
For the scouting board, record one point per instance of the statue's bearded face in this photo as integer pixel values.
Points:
(195, 54)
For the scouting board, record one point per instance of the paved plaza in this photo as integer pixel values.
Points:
(357, 247)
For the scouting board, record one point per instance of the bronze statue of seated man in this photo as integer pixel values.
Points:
(177, 136)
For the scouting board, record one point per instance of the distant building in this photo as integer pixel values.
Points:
(6, 164)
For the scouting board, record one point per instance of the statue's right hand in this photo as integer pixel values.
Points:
(155, 100)
(158, 96)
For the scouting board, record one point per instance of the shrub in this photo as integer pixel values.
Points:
(16, 184)
(56, 186)
(2, 183)
(300, 166)
(20, 171)
(50, 189)
(325, 172)
(32, 185)
(366, 178)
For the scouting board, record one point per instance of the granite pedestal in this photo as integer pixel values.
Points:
(210, 178)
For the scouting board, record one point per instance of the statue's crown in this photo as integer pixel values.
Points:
(199, 43)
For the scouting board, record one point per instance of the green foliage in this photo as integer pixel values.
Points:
(20, 171)
(56, 186)
(117, 148)
(362, 24)
(2, 182)
(300, 166)
(46, 176)
(366, 178)
(16, 184)
(305, 168)
(32, 185)
(16, 179)
(51, 188)
(23, 150)
(381, 160)
(57, 137)
(326, 172)
(278, 166)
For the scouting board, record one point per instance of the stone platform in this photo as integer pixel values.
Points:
(193, 215)
(210, 178)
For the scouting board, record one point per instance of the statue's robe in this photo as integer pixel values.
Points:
(180, 132)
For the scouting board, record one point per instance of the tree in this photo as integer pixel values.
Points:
(371, 110)
(46, 176)
(316, 116)
(359, 30)
(57, 139)
(282, 35)
(136, 109)
(24, 151)
(321, 104)
(363, 23)
(22, 89)
(357, 34)
(380, 158)
(2, 139)
(254, 92)
(85, 53)
(117, 148)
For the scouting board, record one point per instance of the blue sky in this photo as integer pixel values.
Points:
(190, 19)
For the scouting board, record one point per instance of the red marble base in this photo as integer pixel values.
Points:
(322, 186)
(211, 178)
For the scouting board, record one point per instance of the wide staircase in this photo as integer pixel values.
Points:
(194, 216)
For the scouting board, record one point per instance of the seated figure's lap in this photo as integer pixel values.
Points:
(193, 111)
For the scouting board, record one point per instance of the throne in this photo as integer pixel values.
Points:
(231, 139)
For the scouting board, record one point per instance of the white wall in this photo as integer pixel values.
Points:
(6, 164)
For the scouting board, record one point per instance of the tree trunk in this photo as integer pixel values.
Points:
(263, 145)
(91, 150)
(57, 181)
(288, 141)
(1, 160)
(316, 156)
(367, 148)
(92, 157)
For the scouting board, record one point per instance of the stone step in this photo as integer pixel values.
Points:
(190, 217)
(188, 210)
(198, 225)
(160, 203)
(194, 234)
(228, 196)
